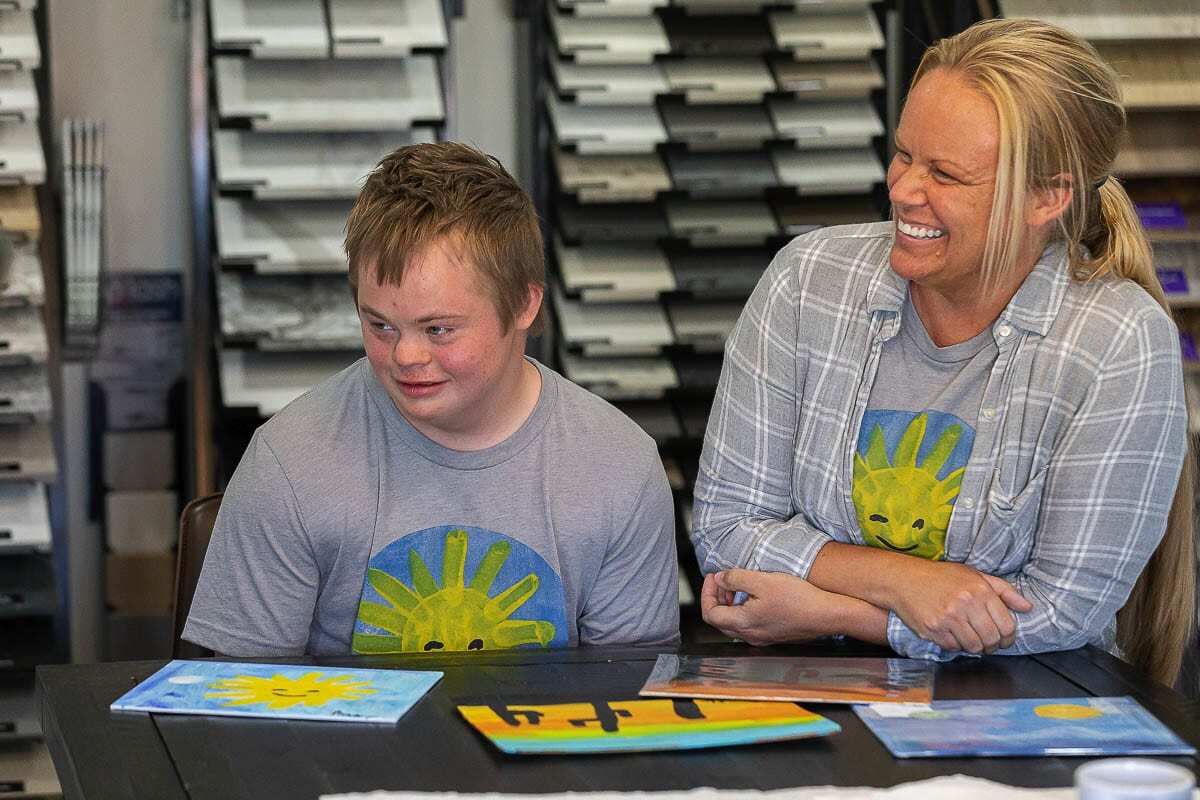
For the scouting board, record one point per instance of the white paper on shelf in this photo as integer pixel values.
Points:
(24, 519)
(25, 285)
(621, 378)
(720, 80)
(304, 165)
(612, 8)
(385, 28)
(846, 123)
(18, 97)
(1113, 19)
(829, 171)
(720, 223)
(609, 40)
(23, 161)
(614, 272)
(607, 129)
(362, 94)
(282, 235)
(18, 40)
(612, 328)
(24, 394)
(611, 178)
(22, 336)
(27, 453)
(825, 37)
(609, 84)
(270, 28)
(269, 381)
(289, 312)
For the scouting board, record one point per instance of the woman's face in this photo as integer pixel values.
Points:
(941, 181)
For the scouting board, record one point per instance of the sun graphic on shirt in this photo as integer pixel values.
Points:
(280, 691)
(902, 505)
(455, 615)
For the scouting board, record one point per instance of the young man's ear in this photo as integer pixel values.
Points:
(533, 304)
(1049, 202)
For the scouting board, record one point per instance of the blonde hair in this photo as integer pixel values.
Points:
(425, 193)
(1061, 123)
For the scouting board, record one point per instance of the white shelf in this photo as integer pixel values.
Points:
(846, 123)
(18, 97)
(816, 172)
(18, 41)
(25, 285)
(612, 329)
(24, 394)
(619, 272)
(304, 165)
(827, 80)
(621, 378)
(366, 94)
(282, 235)
(24, 520)
(612, 8)
(826, 37)
(611, 178)
(270, 28)
(385, 28)
(607, 129)
(27, 453)
(609, 40)
(23, 160)
(22, 336)
(721, 223)
(269, 381)
(289, 312)
(609, 84)
(1106, 20)
(720, 80)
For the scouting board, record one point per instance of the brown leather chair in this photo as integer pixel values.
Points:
(195, 530)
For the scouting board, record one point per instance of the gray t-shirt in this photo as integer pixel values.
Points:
(917, 435)
(342, 522)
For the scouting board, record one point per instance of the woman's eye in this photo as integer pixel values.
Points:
(904, 157)
(944, 177)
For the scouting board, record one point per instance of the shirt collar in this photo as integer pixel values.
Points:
(1032, 308)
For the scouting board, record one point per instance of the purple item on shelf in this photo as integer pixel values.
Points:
(1173, 281)
(1187, 347)
(1161, 215)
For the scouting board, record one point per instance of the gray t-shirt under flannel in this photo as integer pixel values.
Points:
(345, 529)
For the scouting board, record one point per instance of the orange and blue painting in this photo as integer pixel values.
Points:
(277, 690)
(621, 726)
(1072, 726)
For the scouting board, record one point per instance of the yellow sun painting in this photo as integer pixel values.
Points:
(281, 692)
(902, 505)
(456, 615)
(1067, 711)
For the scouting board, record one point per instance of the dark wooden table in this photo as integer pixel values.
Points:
(101, 755)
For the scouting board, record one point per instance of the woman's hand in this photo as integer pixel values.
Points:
(957, 607)
(778, 607)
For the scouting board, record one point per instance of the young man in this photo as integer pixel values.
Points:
(445, 492)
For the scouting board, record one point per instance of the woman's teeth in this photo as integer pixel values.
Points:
(917, 232)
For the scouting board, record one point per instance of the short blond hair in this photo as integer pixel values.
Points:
(422, 194)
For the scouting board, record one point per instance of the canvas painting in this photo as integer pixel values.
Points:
(276, 690)
(630, 725)
(806, 680)
(1074, 726)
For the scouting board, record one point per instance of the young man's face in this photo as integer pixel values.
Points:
(438, 347)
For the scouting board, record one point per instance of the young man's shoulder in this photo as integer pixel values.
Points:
(600, 434)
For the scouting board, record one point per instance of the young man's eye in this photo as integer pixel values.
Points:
(379, 327)
(437, 330)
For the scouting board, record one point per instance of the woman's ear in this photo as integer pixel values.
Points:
(1049, 202)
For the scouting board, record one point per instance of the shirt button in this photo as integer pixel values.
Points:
(968, 502)
(1003, 331)
(989, 413)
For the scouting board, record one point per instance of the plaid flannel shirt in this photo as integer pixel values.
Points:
(1080, 436)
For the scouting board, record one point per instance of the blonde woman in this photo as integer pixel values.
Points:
(963, 430)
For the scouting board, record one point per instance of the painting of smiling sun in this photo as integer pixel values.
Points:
(907, 472)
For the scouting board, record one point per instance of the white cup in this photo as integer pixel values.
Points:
(1130, 778)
